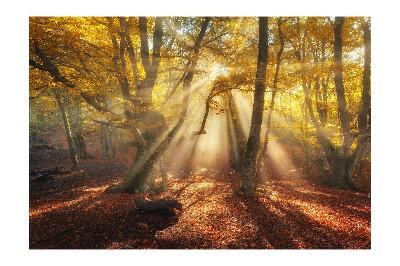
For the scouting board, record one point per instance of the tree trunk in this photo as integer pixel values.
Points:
(80, 143)
(107, 142)
(249, 171)
(145, 88)
(77, 129)
(335, 160)
(119, 62)
(71, 145)
(341, 99)
(318, 101)
(274, 91)
(342, 161)
(324, 113)
(364, 117)
(137, 178)
(107, 137)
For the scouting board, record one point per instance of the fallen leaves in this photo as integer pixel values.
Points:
(75, 212)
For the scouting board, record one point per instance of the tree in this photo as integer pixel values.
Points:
(67, 126)
(150, 68)
(250, 170)
(364, 115)
(340, 167)
(274, 91)
(339, 159)
(141, 169)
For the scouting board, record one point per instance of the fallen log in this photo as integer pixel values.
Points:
(160, 205)
(43, 175)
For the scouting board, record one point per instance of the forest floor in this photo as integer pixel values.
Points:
(72, 211)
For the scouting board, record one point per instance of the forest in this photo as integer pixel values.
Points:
(200, 133)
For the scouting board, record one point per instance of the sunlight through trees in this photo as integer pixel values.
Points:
(255, 99)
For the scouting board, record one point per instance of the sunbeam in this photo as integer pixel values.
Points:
(190, 132)
(281, 159)
(212, 148)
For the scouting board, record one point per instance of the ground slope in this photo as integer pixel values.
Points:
(72, 211)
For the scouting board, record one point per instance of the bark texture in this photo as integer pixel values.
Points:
(143, 166)
(249, 171)
(274, 91)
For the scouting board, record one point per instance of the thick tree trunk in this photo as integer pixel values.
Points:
(126, 39)
(339, 169)
(119, 62)
(341, 99)
(71, 145)
(145, 88)
(137, 178)
(342, 160)
(249, 171)
(143, 100)
(139, 173)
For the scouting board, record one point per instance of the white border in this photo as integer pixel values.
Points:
(14, 129)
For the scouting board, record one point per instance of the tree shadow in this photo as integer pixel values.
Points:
(182, 242)
(345, 201)
(133, 230)
(287, 227)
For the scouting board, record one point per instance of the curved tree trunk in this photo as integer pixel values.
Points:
(141, 169)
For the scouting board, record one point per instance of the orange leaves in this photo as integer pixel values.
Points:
(286, 214)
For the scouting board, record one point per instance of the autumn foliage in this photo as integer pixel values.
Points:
(200, 132)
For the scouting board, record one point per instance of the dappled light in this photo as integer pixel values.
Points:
(281, 159)
(211, 151)
(213, 217)
(218, 70)
(199, 133)
(244, 109)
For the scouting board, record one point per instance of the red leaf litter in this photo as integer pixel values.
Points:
(72, 211)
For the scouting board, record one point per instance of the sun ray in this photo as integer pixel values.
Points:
(244, 110)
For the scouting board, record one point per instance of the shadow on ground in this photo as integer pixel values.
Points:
(72, 211)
